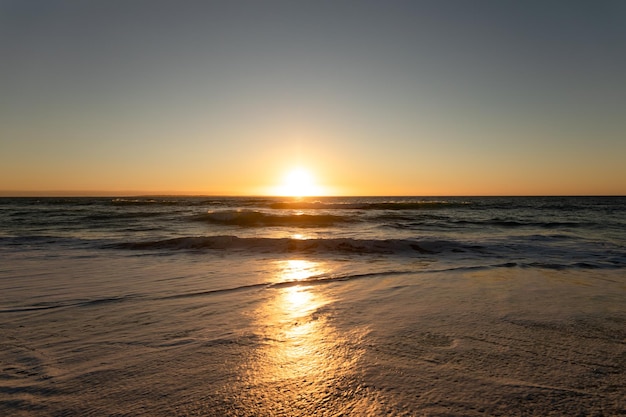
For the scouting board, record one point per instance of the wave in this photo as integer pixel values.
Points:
(288, 245)
(520, 223)
(527, 253)
(38, 240)
(251, 218)
(408, 222)
(68, 304)
(114, 215)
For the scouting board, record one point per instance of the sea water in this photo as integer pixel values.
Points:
(319, 306)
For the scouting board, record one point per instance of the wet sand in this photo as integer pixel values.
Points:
(508, 342)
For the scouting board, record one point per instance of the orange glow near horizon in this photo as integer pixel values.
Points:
(298, 182)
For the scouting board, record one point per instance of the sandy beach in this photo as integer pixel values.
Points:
(507, 341)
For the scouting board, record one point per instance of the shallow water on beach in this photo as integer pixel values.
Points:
(244, 307)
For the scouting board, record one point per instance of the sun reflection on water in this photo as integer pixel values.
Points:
(298, 300)
(302, 350)
(297, 270)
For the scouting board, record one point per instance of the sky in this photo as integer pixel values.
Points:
(441, 97)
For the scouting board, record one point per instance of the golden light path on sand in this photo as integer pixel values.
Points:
(303, 354)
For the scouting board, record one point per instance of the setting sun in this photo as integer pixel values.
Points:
(298, 182)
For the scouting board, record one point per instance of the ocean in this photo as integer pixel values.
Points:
(353, 306)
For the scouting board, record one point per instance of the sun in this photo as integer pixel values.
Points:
(299, 182)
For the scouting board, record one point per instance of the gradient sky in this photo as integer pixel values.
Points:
(373, 97)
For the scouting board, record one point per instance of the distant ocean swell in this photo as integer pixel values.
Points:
(250, 218)
(404, 222)
(387, 205)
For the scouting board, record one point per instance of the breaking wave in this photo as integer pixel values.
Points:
(526, 253)
(288, 245)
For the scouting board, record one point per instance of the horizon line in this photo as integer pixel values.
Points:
(123, 194)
